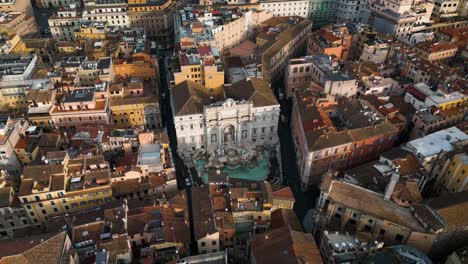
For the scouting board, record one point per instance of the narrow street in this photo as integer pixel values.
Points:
(181, 169)
(304, 200)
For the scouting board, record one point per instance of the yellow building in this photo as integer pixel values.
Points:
(213, 76)
(157, 17)
(455, 100)
(13, 42)
(453, 176)
(201, 65)
(18, 23)
(17, 6)
(41, 119)
(140, 66)
(433, 51)
(26, 150)
(77, 185)
(66, 47)
(92, 30)
(96, 40)
(40, 103)
(13, 99)
(134, 105)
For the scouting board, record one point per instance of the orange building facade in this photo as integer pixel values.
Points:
(140, 66)
(334, 40)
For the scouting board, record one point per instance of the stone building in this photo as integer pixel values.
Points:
(320, 69)
(80, 107)
(286, 8)
(112, 11)
(243, 114)
(280, 39)
(13, 216)
(339, 135)
(18, 23)
(157, 17)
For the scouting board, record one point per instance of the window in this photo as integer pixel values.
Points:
(244, 133)
(203, 244)
(213, 243)
(399, 238)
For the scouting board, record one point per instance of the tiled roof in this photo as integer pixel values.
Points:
(407, 191)
(47, 252)
(452, 209)
(430, 46)
(283, 245)
(190, 97)
(373, 204)
(117, 246)
(285, 193)
(285, 217)
(203, 213)
(255, 90)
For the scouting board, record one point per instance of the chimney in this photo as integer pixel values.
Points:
(391, 186)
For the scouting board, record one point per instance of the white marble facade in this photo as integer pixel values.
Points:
(228, 123)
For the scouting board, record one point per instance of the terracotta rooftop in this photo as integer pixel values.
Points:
(245, 49)
(203, 212)
(430, 46)
(255, 90)
(373, 204)
(452, 209)
(117, 246)
(190, 97)
(46, 252)
(435, 70)
(285, 193)
(407, 191)
(283, 245)
(285, 217)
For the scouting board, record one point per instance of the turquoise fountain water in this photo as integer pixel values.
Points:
(257, 171)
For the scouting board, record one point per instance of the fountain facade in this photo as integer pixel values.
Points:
(250, 163)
